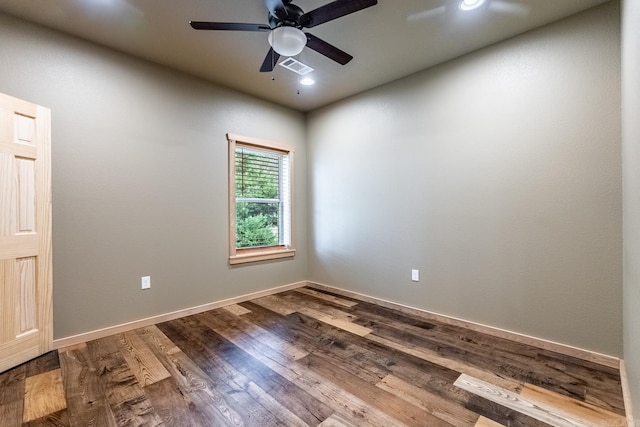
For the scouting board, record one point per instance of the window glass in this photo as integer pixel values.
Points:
(261, 199)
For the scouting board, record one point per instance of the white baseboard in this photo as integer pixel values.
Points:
(580, 353)
(117, 329)
(626, 393)
(595, 357)
(602, 359)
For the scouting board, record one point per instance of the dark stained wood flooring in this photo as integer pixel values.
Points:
(308, 358)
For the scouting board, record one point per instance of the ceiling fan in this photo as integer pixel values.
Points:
(285, 23)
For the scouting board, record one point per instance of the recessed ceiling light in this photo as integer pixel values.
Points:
(307, 81)
(471, 4)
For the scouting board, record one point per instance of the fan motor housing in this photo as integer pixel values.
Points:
(291, 17)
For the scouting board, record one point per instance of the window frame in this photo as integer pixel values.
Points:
(254, 254)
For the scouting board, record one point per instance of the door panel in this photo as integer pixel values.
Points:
(26, 195)
(25, 232)
(25, 282)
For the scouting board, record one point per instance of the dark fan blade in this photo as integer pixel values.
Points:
(330, 51)
(333, 11)
(269, 61)
(228, 26)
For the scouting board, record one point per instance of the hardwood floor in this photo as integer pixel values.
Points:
(308, 358)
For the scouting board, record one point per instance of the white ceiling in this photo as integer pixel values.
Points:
(393, 39)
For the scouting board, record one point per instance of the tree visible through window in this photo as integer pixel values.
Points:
(261, 200)
(258, 197)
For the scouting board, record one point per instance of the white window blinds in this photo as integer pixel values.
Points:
(263, 206)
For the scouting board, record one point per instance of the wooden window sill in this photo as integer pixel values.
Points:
(261, 255)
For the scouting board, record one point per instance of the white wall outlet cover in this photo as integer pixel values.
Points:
(146, 282)
(415, 275)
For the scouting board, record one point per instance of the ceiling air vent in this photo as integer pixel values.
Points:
(296, 66)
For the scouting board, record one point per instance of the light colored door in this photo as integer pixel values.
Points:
(26, 310)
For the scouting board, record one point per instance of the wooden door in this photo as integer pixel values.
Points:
(26, 312)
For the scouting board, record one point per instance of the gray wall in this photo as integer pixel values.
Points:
(140, 179)
(631, 165)
(497, 175)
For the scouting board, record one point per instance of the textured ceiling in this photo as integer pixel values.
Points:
(393, 39)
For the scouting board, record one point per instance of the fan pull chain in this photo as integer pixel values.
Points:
(273, 64)
(298, 79)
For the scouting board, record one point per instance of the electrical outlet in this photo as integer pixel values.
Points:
(146, 282)
(415, 275)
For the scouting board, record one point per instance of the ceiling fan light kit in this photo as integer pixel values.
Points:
(287, 41)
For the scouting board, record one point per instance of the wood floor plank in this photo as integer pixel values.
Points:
(381, 313)
(368, 360)
(126, 398)
(174, 404)
(45, 363)
(103, 347)
(501, 414)
(336, 420)
(311, 335)
(459, 355)
(281, 411)
(86, 402)
(44, 395)
(515, 402)
(602, 400)
(587, 413)
(192, 380)
(294, 352)
(289, 304)
(57, 419)
(346, 325)
(441, 408)
(572, 362)
(511, 360)
(274, 304)
(486, 422)
(243, 394)
(309, 357)
(460, 352)
(401, 410)
(515, 360)
(571, 379)
(454, 365)
(12, 396)
(141, 360)
(286, 306)
(307, 302)
(305, 406)
(603, 386)
(334, 299)
(468, 369)
(347, 404)
(236, 309)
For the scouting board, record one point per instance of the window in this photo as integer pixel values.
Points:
(260, 200)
